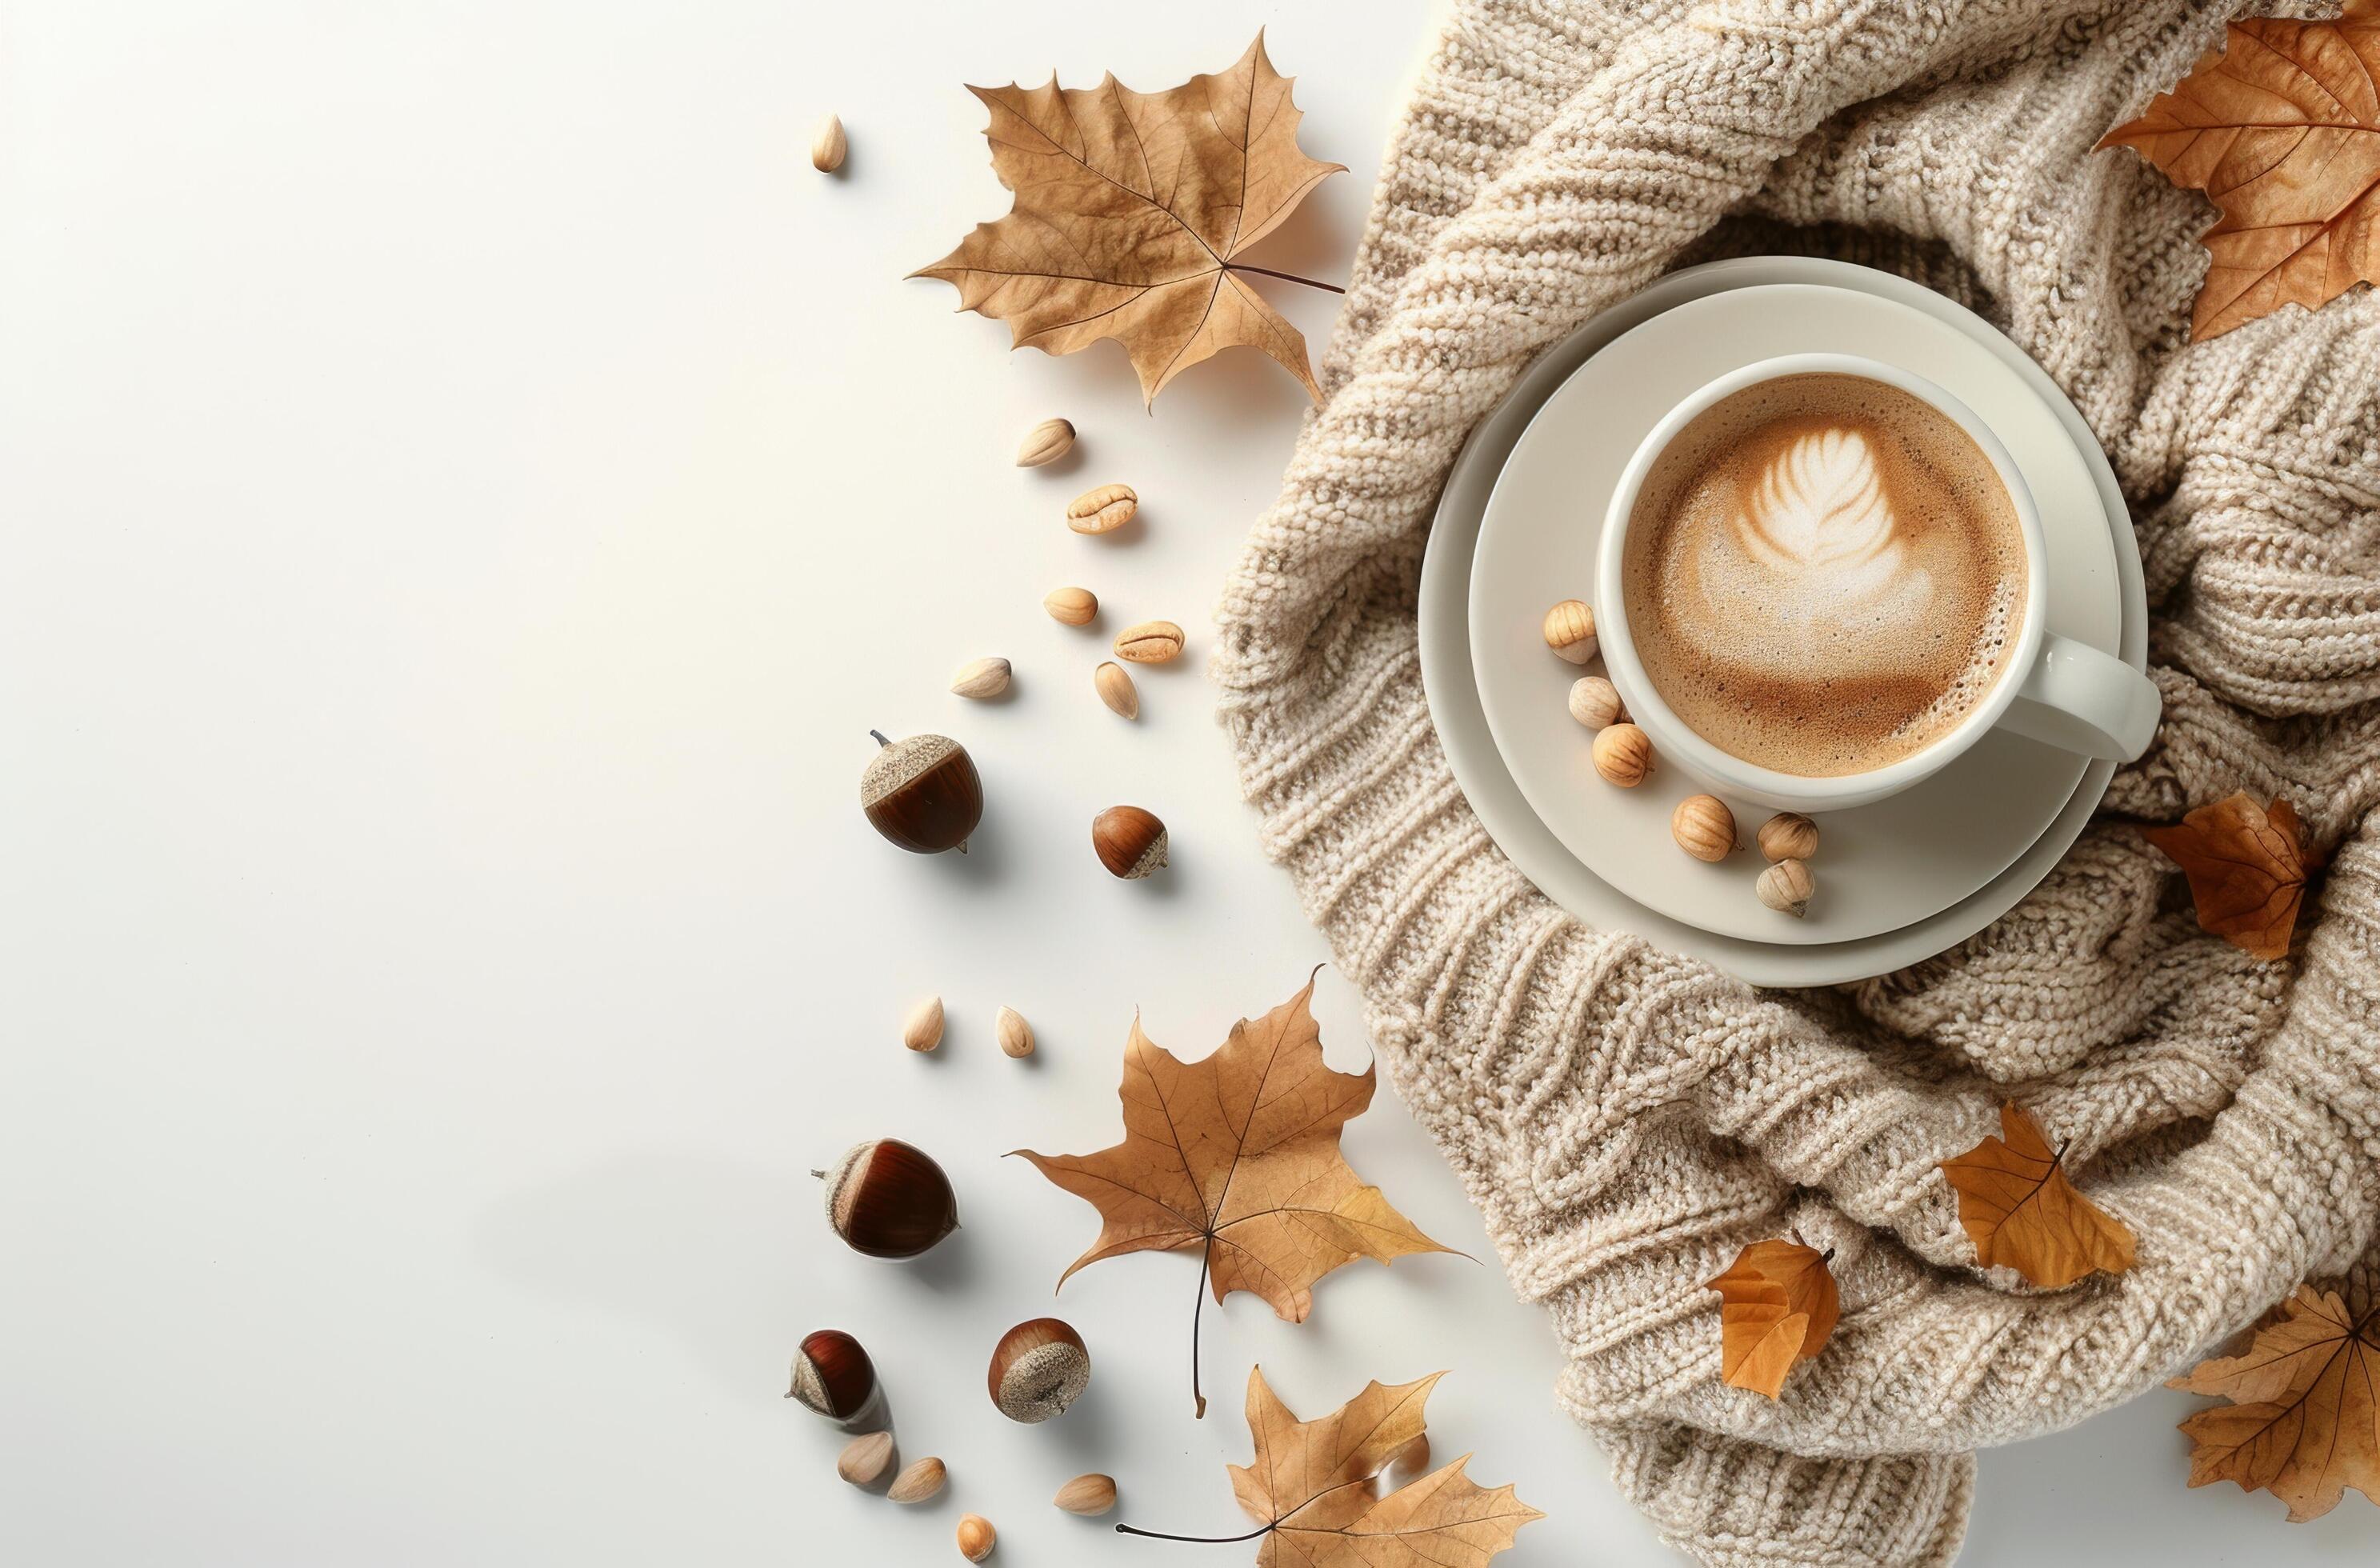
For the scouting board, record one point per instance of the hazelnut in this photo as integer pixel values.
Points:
(1789, 835)
(888, 1199)
(1786, 887)
(864, 1460)
(1131, 842)
(1089, 1495)
(1703, 827)
(976, 1537)
(1038, 1369)
(919, 1481)
(922, 794)
(833, 1375)
(1624, 754)
(1594, 701)
(1570, 630)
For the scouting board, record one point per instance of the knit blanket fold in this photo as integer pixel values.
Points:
(1628, 1119)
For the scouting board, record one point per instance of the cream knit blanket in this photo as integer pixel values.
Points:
(1627, 1119)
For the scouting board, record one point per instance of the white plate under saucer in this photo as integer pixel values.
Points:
(1880, 867)
(1461, 720)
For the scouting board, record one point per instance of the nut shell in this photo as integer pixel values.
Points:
(1038, 1369)
(920, 1480)
(1151, 642)
(1045, 443)
(1594, 701)
(976, 1537)
(833, 1375)
(1113, 683)
(1071, 606)
(1786, 887)
(1103, 510)
(1624, 754)
(1789, 835)
(1088, 1495)
(864, 1460)
(1131, 842)
(888, 1199)
(922, 794)
(829, 145)
(1703, 827)
(1014, 1034)
(981, 678)
(1570, 630)
(922, 1029)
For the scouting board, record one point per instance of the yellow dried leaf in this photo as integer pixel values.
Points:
(1777, 1306)
(2305, 1422)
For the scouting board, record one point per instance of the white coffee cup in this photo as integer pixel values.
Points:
(2052, 689)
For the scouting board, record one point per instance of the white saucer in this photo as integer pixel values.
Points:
(1460, 720)
(1880, 867)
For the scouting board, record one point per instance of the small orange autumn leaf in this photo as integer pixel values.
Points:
(2282, 127)
(2247, 870)
(2305, 1422)
(1777, 1306)
(2021, 1212)
(1237, 1154)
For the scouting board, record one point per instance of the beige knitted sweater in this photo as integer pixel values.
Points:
(1627, 1119)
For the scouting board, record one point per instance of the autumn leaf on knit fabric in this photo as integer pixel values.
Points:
(1777, 1306)
(1310, 1488)
(2247, 870)
(2282, 127)
(1134, 212)
(2021, 1212)
(1237, 1154)
(2304, 1418)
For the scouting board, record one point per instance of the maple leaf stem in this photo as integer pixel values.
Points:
(1198, 1307)
(1285, 277)
(1211, 1540)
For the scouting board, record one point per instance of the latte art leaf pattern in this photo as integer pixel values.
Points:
(1818, 517)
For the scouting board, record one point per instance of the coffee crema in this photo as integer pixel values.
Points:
(1824, 574)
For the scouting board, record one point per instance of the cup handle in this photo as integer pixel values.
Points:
(2078, 698)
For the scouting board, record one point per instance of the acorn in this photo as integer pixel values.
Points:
(1038, 1369)
(833, 1377)
(1131, 842)
(888, 1199)
(922, 793)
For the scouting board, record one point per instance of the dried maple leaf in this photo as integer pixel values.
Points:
(1777, 1306)
(1237, 1154)
(1309, 1489)
(1133, 210)
(2247, 871)
(2282, 127)
(2020, 1210)
(2305, 1422)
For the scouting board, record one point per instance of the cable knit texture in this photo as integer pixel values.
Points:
(1627, 1119)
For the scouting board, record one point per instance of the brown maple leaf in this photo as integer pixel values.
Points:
(1237, 1154)
(2247, 870)
(1310, 1490)
(1132, 212)
(2020, 1210)
(1777, 1306)
(2305, 1422)
(2282, 127)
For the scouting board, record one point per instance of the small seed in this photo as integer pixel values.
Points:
(1071, 606)
(1045, 443)
(922, 1029)
(1786, 887)
(1151, 642)
(1624, 754)
(865, 1459)
(1570, 630)
(1089, 1495)
(1103, 510)
(980, 678)
(976, 1537)
(829, 145)
(1703, 827)
(1115, 689)
(1594, 701)
(1014, 1034)
(918, 1481)
(1789, 835)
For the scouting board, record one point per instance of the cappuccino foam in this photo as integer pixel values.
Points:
(1823, 574)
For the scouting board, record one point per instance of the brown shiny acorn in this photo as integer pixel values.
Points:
(833, 1377)
(1037, 1369)
(1131, 842)
(922, 793)
(888, 1199)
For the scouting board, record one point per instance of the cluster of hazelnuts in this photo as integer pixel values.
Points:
(887, 1198)
(923, 795)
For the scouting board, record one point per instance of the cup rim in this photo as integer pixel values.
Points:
(1672, 736)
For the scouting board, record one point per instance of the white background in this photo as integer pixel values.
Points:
(468, 488)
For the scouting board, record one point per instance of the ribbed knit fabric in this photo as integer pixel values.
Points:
(1628, 1119)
